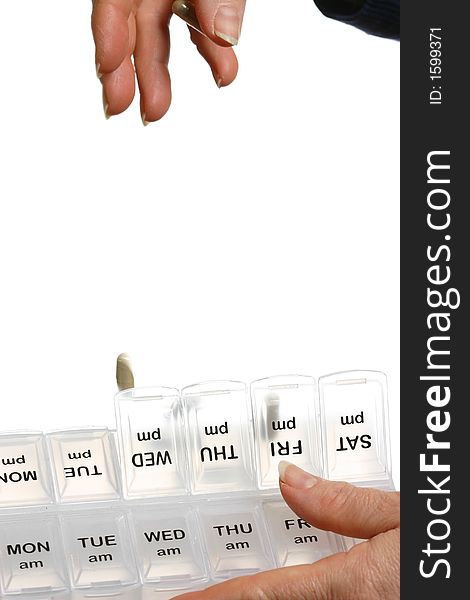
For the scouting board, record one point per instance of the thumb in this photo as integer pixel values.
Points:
(338, 506)
(220, 20)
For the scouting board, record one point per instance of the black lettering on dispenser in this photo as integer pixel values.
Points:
(282, 425)
(305, 539)
(237, 546)
(280, 449)
(164, 535)
(28, 548)
(32, 564)
(351, 443)
(151, 459)
(97, 558)
(218, 453)
(216, 429)
(19, 476)
(236, 529)
(83, 471)
(79, 455)
(98, 541)
(169, 552)
(299, 523)
(14, 461)
(353, 419)
(149, 436)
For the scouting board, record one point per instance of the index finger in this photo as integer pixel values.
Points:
(327, 578)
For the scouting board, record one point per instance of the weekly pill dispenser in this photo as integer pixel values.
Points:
(184, 493)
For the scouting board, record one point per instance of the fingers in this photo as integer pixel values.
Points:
(118, 88)
(109, 23)
(119, 31)
(327, 578)
(113, 28)
(339, 507)
(151, 55)
(222, 61)
(220, 20)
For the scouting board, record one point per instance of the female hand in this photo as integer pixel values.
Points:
(130, 33)
(369, 571)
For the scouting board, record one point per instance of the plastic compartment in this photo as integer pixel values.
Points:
(236, 538)
(354, 416)
(295, 541)
(31, 556)
(84, 465)
(285, 426)
(219, 430)
(152, 447)
(98, 548)
(69, 530)
(25, 478)
(168, 542)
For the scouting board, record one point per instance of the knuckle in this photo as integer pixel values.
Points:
(392, 501)
(388, 505)
(255, 590)
(338, 497)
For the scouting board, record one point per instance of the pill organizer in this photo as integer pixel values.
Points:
(184, 492)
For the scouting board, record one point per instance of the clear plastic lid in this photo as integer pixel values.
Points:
(25, 478)
(285, 425)
(32, 556)
(98, 548)
(220, 437)
(169, 546)
(84, 465)
(354, 417)
(236, 538)
(152, 447)
(295, 541)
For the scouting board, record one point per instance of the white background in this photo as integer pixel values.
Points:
(253, 231)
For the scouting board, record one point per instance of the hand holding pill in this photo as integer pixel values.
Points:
(132, 39)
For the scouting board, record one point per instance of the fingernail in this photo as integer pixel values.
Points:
(227, 24)
(99, 74)
(105, 107)
(218, 81)
(144, 120)
(185, 10)
(295, 477)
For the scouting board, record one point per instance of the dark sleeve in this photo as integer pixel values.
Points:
(379, 17)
